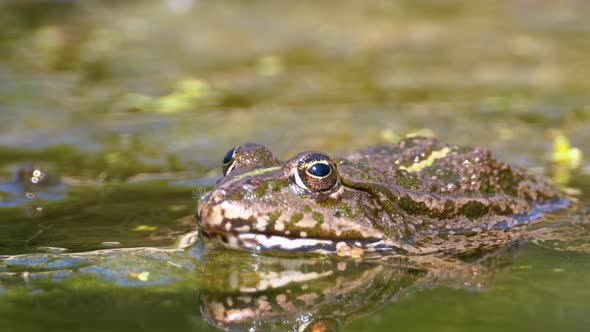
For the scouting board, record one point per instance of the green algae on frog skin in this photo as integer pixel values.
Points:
(346, 211)
(374, 200)
(296, 217)
(318, 217)
(406, 179)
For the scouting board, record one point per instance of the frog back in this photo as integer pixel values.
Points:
(425, 165)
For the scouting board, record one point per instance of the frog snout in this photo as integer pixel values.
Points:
(205, 211)
(213, 211)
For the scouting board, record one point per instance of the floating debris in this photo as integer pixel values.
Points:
(143, 276)
(270, 65)
(145, 228)
(187, 94)
(564, 154)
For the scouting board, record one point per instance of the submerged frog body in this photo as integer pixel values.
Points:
(417, 196)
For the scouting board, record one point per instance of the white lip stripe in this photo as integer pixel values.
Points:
(280, 241)
(257, 242)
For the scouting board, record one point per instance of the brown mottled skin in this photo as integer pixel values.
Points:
(416, 196)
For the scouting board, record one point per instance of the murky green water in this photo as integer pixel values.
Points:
(128, 108)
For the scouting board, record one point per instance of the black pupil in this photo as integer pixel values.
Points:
(319, 170)
(228, 156)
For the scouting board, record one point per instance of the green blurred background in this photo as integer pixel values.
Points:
(127, 108)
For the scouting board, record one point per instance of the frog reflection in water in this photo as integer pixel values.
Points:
(418, 196)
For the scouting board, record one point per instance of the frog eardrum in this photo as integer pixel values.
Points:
(317, 173)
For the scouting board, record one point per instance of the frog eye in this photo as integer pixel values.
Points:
(317, 173)
(229, 161)
(248, 156)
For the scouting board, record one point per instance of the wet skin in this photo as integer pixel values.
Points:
(417, 196)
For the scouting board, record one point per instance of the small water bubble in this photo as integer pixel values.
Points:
(37, 173)
(53, 250)
(143, 276)
(111, 243)
(34, 179)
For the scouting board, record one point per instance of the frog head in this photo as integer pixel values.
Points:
(301, 204)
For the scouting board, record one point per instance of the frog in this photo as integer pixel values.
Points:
(417, 196)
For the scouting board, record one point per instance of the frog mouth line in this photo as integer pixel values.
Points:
(258, 242)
